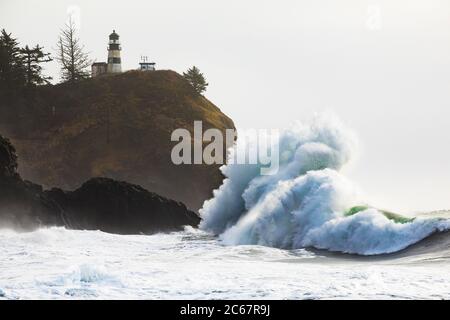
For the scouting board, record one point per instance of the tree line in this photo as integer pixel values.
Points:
(21, 67)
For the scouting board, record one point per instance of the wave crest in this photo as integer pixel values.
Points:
(304, 204)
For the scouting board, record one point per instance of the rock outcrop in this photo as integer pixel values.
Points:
(120, 207)
(23, 205)
(119, 127)
(99, 204)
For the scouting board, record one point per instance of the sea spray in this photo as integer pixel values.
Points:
(304, 204)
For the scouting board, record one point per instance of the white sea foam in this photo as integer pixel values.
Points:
(194, 265)
(304, 203)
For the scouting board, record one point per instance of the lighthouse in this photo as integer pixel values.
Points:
(114, 62)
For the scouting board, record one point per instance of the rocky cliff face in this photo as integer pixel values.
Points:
(23, 205)
(8, 160)
(100, 204)
(117, 127)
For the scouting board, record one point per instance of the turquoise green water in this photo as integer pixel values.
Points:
(397, 218)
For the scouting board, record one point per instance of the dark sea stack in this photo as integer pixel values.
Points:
(120, 207)
(8, 160)
(23, 205)
(117, 126)
(99, 204)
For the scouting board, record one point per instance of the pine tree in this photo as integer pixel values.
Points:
(196, 79)
(33, 70)
(74, 61)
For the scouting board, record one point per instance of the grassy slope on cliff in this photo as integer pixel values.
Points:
(119, 127)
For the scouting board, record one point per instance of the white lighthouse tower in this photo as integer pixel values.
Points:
(114, 61)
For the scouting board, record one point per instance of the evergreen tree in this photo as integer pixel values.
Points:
(196, 79)
(12, 72)
(74, 61)
(33, 58)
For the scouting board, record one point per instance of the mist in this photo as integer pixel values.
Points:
(382, 66)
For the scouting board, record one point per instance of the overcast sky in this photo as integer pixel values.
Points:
(382, 66)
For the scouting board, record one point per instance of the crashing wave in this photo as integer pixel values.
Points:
(308, 202)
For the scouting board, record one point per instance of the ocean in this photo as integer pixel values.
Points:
(56, 263)
(305, 231)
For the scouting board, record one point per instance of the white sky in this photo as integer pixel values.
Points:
(382, 66)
